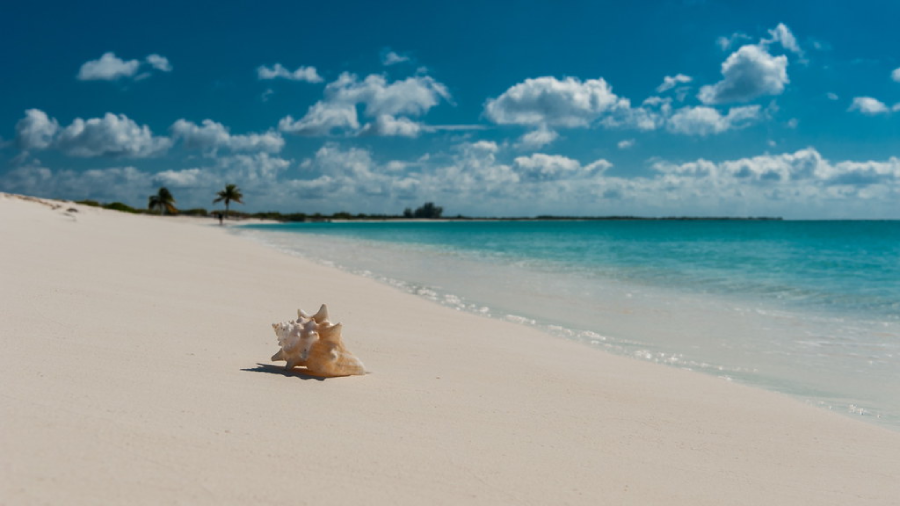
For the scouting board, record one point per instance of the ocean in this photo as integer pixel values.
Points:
(807, 308)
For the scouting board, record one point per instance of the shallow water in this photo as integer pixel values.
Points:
(811, 309)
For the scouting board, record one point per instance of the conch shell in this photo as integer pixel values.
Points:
(314, 342)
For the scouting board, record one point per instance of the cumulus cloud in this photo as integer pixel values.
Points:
(670, 82)
(411, 96)
(111, 135)
(895, 75)
(389, 103)
(657, 113)
(322, 118)
(781, 34)
(211, 136)
(36, 130)
(748, 73)
(832, 96)
(122, 184)
(553, 102)
(869, 106)
(307, 74)
(725, 43)
(537, 139)
(109, 67)
(255, 174)
(160, 63)
(389, 58)
(626, 144)
(181, 178)
(704, 121)
(391, 126)
(542, 167)
(351, 178)
(547, 101)
(806, 166)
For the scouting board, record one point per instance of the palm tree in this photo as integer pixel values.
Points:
(229, 194)
(163, 200)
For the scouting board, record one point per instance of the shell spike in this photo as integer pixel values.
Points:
(320, 316)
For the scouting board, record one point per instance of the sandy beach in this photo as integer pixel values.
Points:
(135, 370)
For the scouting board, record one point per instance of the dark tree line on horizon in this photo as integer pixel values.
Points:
(164, 203)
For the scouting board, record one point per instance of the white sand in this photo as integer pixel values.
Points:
(129, 351)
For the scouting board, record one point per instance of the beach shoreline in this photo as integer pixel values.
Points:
(136, 371)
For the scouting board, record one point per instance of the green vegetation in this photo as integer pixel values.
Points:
(162, 201)
(229, 194)
(198, 211)
(428, 211)
(115, 206)
(118, 206)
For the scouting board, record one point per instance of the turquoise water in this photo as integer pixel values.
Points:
(811, 309)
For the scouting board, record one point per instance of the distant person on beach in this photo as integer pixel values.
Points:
(220, 218)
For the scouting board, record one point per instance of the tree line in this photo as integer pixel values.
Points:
(163, 202)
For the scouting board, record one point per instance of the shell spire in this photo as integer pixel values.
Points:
(313, 342)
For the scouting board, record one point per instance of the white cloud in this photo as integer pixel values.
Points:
(670, 82)
(212, 136)
(391, 126)
(550, 101)
(656, 113)
(832, 96)
(626, 144)
(542, 167)
(391, 58)
(805, 167)
(747, 73)
(707, 121)
(346, 179)
(782, 35)
(111, 135)
(537, 139)
(252, 170)
(411, 96)
(36, 130)
(386, 102)
(181, 178)
(308, 74)
(725, 43)
(108, 68)
(256, 174)
(160, 63)
(322, 118)
(122, 184)
(652, 115)
(895, 75)
(868, 106)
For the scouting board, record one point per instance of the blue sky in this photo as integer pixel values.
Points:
(486, 108)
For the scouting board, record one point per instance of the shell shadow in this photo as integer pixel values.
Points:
(281, 371)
